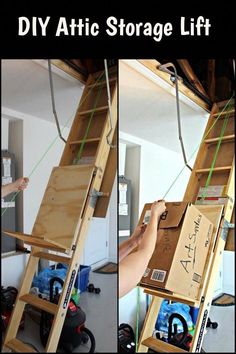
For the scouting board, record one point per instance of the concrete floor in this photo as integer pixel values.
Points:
(101, 317)
(101, 314)
(221, 339)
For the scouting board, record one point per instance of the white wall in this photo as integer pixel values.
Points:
(37, 151)
(159, 167)
(122, 154)
(16, 147)
(128, 308)
(12, 268)
(132, 172)
(29, 138)
(41, 152)
(229, 272)
(4, 133)
(113, 224)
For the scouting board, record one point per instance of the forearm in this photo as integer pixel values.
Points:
(132, 267)
(126, 247)
(148, 242)
(131, 270)
(7, 189)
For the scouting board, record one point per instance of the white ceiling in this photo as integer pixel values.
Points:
(147, 110)
(25, 89)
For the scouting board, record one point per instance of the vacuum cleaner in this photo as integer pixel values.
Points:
(182, 340)
(74, 332)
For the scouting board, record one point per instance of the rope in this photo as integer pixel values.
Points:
(215, 157)
(89, 123)
(53, 101)
(92, 114)
(197, 148)
(53, 142)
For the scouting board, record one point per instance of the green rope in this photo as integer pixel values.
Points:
(137, 319)
(89, 123)
(198, 146)
(54, 141)
(215, 157)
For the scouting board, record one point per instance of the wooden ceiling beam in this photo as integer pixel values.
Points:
(69, 70)
(192, 77)
(211, 81)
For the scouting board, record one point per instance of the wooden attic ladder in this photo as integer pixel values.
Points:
(222, 218)
(77, 190)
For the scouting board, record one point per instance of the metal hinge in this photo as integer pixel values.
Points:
(225, 229)
(94, 194)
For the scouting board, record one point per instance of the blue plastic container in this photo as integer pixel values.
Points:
(194, 313)
(82, 278)
(42, 280)
(166, 310)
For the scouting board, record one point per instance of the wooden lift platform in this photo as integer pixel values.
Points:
(78, 189)
(222, 217)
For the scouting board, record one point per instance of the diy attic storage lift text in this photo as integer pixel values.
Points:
(37, 26)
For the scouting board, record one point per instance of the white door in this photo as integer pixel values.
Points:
(219, 281)
(96, 245)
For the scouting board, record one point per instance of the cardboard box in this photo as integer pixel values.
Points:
(183, 239)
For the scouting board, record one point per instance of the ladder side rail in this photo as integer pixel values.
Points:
(80, 236)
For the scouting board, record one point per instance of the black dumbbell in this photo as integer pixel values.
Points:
(214, 325)
(97, 290)
(92, 289)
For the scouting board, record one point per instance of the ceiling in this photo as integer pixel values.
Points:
(147, 110)
(25, 89)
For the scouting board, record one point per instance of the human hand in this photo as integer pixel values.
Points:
(138, 233)
(20, 184)
(158, 208)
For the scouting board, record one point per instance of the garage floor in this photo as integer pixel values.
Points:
(101, 316)
(221, 339)
(101, 312)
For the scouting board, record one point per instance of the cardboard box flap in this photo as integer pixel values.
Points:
(173, 214)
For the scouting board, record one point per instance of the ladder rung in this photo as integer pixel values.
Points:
(224, 139)
(161, 347)
(19, 347)
(96, 110)
(171, 296)
(92, 140)
(36, 241)
(96, 84)
(216, 169)
(222, 104)
(39, 303)
(52, 257)
(231, 111)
